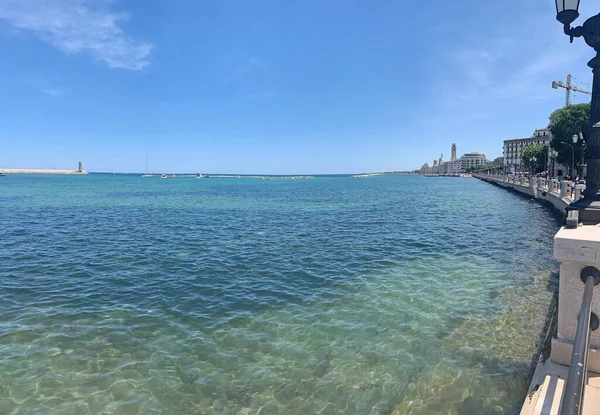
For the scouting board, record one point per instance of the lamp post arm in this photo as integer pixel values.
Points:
(573, 32)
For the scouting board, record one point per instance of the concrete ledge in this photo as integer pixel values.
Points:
(562, 350)
(547, 387)
(575, 249)
(579, 245)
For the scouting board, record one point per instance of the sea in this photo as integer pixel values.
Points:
(394, 294)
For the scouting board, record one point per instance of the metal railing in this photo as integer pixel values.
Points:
(572, 400)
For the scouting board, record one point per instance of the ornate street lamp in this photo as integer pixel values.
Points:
(578, 139)
(553, 155)
(574, 138)
(588, 207)
(545, 164)
(567, 11)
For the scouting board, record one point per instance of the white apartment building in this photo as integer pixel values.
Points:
(512, 150)
(469, 160)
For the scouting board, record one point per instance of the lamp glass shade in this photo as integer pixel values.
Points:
(562, 5)
(567, 11)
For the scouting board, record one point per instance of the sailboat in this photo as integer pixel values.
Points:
(146, 174)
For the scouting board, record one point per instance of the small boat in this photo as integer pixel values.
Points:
(163, 176)
(2, 174)
(198, 175)
(172, 176)
(146, 174)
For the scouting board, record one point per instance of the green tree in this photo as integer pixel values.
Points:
(535, 157)
(485, 167)
(565, 123)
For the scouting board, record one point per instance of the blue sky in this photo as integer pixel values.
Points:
(313, 86)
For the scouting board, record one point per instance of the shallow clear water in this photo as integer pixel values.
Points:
(386, 295)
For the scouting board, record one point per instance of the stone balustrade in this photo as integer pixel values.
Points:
(566, 189)
(559, 193)
(542, 184)
(554, 186)
(579, 188)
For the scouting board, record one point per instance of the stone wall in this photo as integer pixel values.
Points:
(558, 194)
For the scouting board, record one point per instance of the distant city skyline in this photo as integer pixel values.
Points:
(456, 165)
(273, 88)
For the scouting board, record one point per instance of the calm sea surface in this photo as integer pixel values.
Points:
(386, 295)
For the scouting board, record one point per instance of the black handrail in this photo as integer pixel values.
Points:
(572, 400)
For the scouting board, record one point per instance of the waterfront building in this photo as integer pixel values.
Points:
(470, 160)
(455, 165)
(512, 150)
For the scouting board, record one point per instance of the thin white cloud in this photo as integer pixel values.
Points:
(250, 64)
(41, 84)
(53, 92)
(521, 70)
(261, 94)
(77, 26)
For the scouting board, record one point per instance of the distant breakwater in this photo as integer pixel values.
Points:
(41, 171)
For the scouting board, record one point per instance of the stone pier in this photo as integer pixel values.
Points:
(41, 171)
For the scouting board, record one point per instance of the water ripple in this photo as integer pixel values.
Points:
(390, 295)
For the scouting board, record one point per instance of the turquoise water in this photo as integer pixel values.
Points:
(386, 295)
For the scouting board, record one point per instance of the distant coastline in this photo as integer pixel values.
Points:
(218, 175)
(41, 171)
(356, 176)
(257, 175)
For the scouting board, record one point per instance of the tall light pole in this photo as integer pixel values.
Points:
(574, 138)
(553, 154)
(588, 208)
(545, 163)
(580, 140)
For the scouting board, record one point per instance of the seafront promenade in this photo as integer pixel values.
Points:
(558, 193)
(577, 250)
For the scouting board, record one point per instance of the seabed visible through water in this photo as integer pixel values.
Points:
(124, 295)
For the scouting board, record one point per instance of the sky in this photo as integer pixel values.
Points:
(276, 87)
